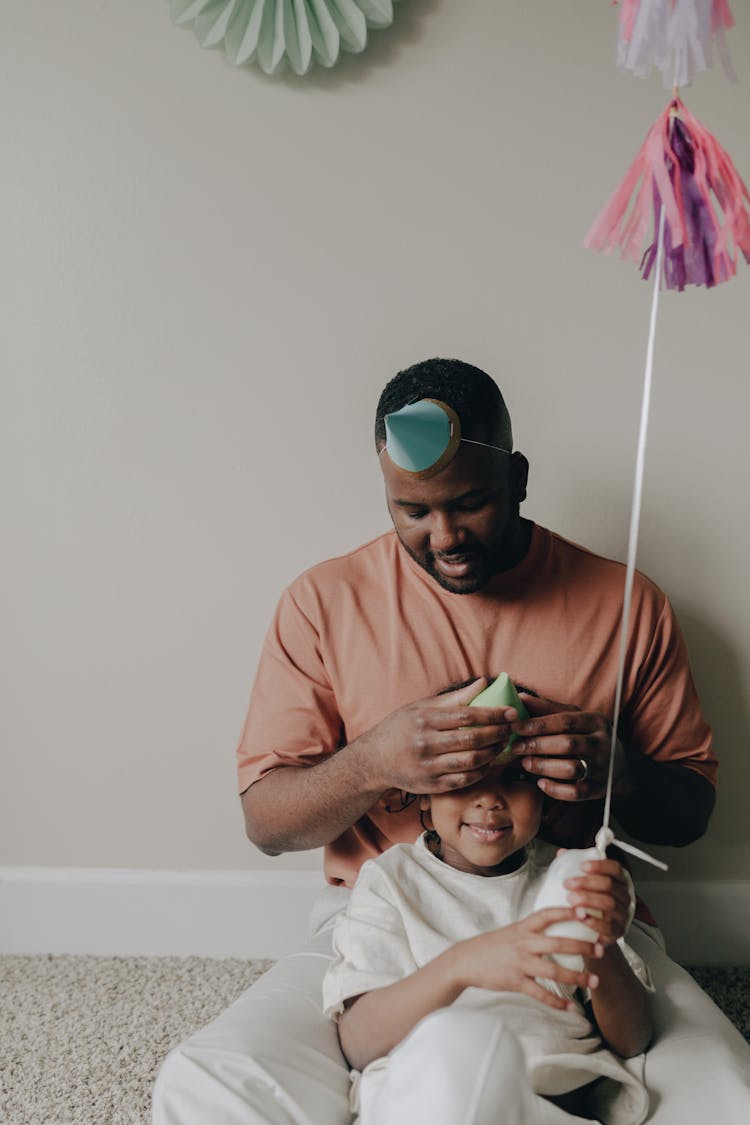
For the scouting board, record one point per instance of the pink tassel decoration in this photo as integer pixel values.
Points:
(683, 168)
(675, 36)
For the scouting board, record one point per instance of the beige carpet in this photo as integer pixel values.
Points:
(81, 1038)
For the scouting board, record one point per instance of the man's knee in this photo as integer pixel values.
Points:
(244, 1069)
(198, 1082)
(173, 1082)
(270, 1057)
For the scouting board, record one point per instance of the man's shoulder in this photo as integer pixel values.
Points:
(594, 565)
(570, 548)
(367, 563)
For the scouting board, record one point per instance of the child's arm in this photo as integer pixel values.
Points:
(507, 960)
(619, 1002)
(373, 1023)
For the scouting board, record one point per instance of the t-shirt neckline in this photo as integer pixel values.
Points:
(503, 583)
(421, 845)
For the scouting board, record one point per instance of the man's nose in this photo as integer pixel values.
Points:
(445, 534)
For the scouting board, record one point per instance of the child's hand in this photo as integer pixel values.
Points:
(603, 890)
(510, 959)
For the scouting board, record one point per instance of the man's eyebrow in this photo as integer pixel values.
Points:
(453, 500)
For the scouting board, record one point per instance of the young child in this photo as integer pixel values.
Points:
(449, 1010)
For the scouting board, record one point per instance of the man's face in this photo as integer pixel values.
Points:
(483, 828)
(462, 525)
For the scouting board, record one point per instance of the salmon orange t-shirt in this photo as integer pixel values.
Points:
(356, 637)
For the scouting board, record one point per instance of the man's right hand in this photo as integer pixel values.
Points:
(431, 746)
(436, 744)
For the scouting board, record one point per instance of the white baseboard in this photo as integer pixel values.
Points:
(118, 912)
(703, 923)
(114, 912)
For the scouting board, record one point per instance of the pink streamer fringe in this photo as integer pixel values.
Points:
(684, 168)
(674, 36)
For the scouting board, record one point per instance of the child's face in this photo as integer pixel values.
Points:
(483, 826)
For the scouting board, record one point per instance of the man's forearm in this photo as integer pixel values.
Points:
(295, 808)
(663, 802)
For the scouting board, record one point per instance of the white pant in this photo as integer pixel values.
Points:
(457, 1067)
(272, 1058)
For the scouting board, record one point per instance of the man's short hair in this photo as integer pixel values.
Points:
(471, 392)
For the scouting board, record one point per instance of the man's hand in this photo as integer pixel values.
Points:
(431, 746)
(568, 749)
(437, 744)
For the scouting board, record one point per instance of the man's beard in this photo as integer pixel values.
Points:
(469, 585)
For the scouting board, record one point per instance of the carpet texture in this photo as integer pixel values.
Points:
(81, 1038)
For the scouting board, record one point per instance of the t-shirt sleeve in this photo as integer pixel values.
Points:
(371, 947)
(663, 717)
(293, 716)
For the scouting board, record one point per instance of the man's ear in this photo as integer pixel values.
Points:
(519, 476)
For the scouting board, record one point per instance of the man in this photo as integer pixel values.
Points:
(345, 715)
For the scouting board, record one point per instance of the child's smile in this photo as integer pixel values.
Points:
(487, 833)
(484, 828)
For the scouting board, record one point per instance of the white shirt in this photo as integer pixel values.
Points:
(407, 907)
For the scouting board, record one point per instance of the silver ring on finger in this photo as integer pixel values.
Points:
(584, 769)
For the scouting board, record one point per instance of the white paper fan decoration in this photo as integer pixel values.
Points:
(277, 33)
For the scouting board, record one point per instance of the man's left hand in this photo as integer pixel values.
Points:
(568, 749)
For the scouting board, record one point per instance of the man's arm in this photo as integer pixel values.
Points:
(666, 803)
(430, 746)
(663, 803)
(664, 767)
(294, 808)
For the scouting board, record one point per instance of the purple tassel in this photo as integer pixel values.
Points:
(691, 263)
(682, 169)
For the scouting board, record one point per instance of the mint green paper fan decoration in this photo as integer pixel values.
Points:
(281, 33)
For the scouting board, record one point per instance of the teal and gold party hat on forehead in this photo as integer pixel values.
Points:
(423, 437)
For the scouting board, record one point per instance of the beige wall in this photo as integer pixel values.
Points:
(207, 277)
